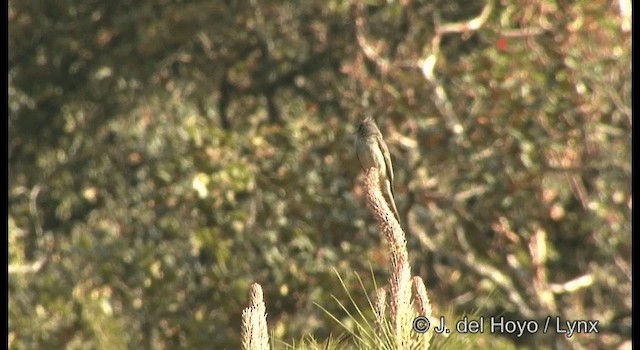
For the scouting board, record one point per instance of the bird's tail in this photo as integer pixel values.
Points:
(388, 194)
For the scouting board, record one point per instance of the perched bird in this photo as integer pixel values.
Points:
(373, 152)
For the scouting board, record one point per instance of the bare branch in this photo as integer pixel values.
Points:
(470, 25)
(573, 285)
(30, 268)
(368, 49)
(430, 57)
(625, 14)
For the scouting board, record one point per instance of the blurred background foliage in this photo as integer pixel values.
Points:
(164, 155)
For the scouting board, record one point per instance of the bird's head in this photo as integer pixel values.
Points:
(367, 127)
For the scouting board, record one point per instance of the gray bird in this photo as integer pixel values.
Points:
(373, 152)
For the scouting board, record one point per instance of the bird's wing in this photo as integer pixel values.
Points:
(387, 159)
